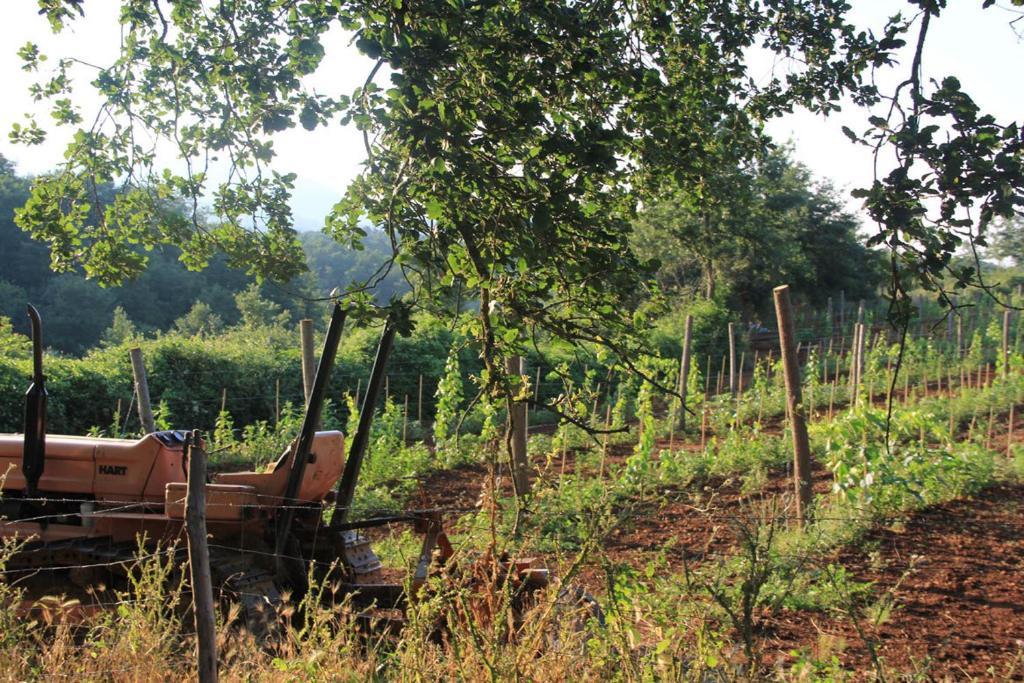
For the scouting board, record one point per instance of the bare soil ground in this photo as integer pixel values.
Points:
(955, 571)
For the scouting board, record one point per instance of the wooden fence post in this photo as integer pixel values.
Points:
(405, 421)
(607, 428)
(861, 356)
(1009, 430)
(791, 369)
(959, 335)
(842, 312)
(419, 403)
(142, 391)
(199, 561)
(830, 317)
(308, 360)
(684, 371)
(517, 424)
(854, 357)
(536, 391)
(732, 360)
(1006, 343)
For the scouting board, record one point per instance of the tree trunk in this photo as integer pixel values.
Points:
(709, 280)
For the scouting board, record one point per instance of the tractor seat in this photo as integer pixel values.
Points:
(172, 438)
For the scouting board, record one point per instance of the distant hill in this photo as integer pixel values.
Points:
(76, 311)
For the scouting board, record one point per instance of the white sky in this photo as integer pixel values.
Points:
(978, 47)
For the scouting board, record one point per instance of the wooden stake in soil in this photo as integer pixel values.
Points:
(739, 380)
(732, 360)
(854, 379)
(991, 419)
(959, 335)
(888, 382)
(830, 322)
(536, 391)
(517, 425)
(142, 391)
(842, 312)
(199, 561)
(703, 426)
(607, 426)
(831, 400)
(1009, 432)
(419, 403)
(810, 400)
(801, 445)
(405, 421)
(684, 370)
(1006, 343)
(861, 357)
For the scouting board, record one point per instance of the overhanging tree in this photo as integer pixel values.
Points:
(508, 143)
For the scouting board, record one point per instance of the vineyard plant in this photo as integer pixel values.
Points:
(687, 538)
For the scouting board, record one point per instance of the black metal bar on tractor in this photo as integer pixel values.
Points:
(34, 457)
(374, 521)
(347, 485)
(300, 456)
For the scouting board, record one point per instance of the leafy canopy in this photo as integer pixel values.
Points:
(508, 143)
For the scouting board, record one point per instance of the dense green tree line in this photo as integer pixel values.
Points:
(776, 225)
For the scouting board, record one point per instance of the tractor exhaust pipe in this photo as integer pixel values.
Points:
(34, 457)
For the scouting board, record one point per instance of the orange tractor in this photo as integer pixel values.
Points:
(80, 505)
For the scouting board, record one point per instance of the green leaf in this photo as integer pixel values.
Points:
(434, 209)
(309, 118)
(369, 47)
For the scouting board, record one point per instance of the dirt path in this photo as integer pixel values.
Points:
(957, 574)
